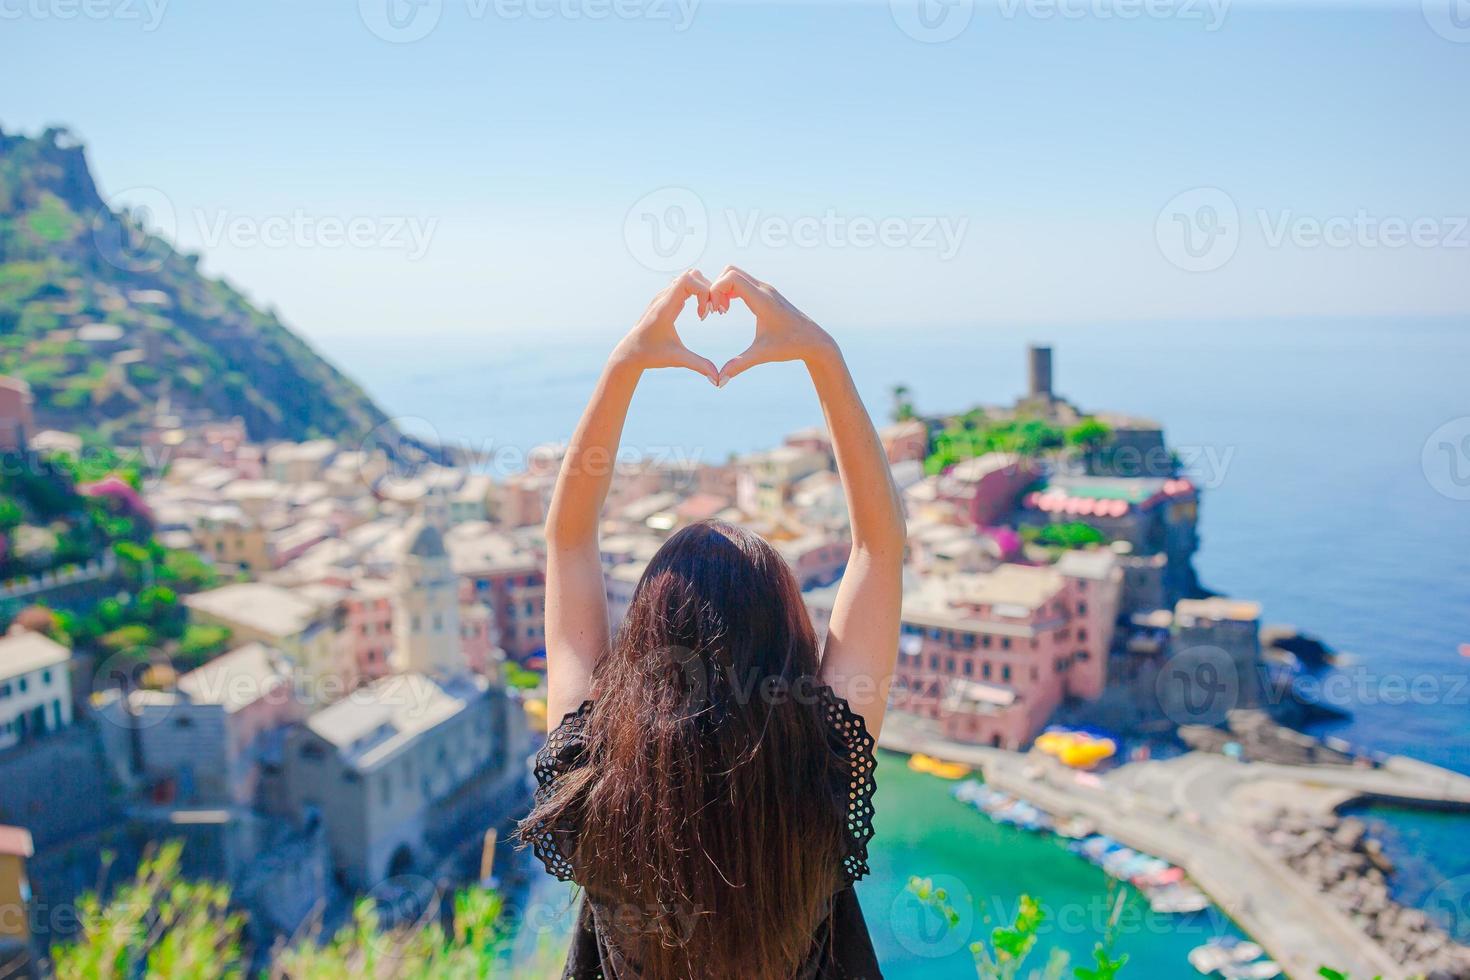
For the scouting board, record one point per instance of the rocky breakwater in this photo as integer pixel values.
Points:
(1337, 856)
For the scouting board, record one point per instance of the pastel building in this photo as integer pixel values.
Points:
(1150, 515)
(17, 421)
(511, 581)
(303, 624)
(35, 687)
(367, 627)
(816, 558)
(991, 655)
(16, 847)
(985, 489)
(205, 742)
(904, 441)
(764, 481)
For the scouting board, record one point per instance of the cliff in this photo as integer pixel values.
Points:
(112, 326)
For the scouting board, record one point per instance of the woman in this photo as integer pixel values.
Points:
(710, 782)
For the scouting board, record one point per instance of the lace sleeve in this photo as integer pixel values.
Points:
(564, 751)
(856, 747)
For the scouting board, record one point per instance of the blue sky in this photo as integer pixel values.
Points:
(1027, 170)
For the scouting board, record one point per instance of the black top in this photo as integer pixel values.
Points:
(841, 949)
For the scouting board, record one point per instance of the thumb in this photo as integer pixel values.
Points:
(738, 365)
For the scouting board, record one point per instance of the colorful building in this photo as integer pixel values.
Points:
(991, 655)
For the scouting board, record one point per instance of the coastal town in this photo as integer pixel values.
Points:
(320, 665)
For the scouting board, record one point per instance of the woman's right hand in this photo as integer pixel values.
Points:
(782, 332)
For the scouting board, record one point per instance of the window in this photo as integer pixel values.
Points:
(1005, 672)
(1081, 635)
(24, 684)
(985, 642)
(1005, 642)
(1082, 609)
(4, 690)
(985, 670)
(969, 667)
(949, 664)
(45, 677)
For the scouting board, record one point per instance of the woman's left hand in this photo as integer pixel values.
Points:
(654, 343)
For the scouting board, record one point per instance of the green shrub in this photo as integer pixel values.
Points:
(161, 926)
(1009, 946)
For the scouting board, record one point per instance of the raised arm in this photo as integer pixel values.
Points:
(576, 601)
(862, 641)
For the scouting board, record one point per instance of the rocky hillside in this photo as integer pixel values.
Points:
(112, 327)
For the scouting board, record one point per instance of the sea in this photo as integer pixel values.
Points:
(1334, 460)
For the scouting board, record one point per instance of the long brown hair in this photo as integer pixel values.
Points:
(709, 818)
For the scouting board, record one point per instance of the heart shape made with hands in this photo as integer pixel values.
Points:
(782, 332)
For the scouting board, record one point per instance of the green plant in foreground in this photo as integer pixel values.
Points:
(1010, 945)
(160, 926)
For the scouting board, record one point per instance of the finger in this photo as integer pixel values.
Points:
(733, 282)
(702, 284)
(738, 365)
(700, 365)
(693, 283)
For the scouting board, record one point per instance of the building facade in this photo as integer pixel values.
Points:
(35, 687)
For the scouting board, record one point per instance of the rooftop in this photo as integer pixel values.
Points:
(25, 652)
(1218, 608)
(268, 609)
(237, 679)
(971, 470)
(375, 723)
(16, 842)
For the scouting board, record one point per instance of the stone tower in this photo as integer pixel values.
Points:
(426, 630)
(1040, 364)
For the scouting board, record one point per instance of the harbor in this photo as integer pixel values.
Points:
(1198, 812)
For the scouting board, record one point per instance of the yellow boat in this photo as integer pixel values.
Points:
(919, 762)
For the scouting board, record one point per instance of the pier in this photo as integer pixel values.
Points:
(1197, 811)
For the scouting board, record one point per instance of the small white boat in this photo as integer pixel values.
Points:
(1178, 900)
(1227, 955)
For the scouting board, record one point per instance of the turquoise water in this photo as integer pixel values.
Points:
(921, 830)
(1431, 861)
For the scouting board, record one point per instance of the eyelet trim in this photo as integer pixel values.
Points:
(855, 745)
(562, 752)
